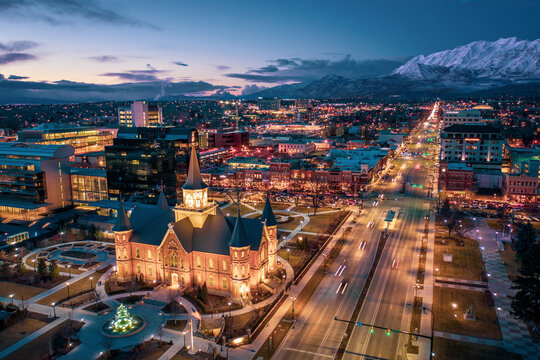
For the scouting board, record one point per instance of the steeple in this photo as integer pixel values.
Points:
(162, 201)
(239, 236)
(268, 214)
(122, 220)
(194, 180)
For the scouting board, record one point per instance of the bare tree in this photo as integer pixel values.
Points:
(315, 187)
(464, 226)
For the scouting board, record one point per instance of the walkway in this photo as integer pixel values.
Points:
(516, 337)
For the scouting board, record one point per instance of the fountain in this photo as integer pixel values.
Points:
(123, 323)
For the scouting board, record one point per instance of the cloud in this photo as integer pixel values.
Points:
(15, 91)
(300, 70)
(180, 63)
(104, 58)
(222, 67)
(250, 89)
(64, 11)
(16, 46)
(15, 57)
(137, 75)
(17, 77)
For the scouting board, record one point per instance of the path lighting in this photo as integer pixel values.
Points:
(293, 300)
(288, 255)
(54, 308)
(91, 278)
(229, 303)
(11, 297)
(68, 288)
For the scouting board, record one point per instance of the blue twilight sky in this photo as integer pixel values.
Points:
(94, 48)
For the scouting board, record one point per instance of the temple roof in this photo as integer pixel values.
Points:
(239, 237)
(194, 180)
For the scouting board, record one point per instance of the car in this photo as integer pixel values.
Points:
(342, 286)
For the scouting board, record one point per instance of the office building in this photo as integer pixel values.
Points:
(83, 139)
(473, 116)
(34, 179)
(226, 139)
(140, 114)
(142, 159)
(88, 185)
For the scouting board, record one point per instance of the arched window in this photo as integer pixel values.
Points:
(165, 258)
(174, 260)
(211, 263)
(159, 255)
(211, 281)
(199, 279)
(181, 263)
(224, 283)
(182, 280)
(197, 198)
(235, 273)
(243, 270)
(138, 269)
(189, 201)
(150, 271)
(224, 265)
(243, 254)
(149, 254)
(125, 253)
(198, 261)
(137, 253)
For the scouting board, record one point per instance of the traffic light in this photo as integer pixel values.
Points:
(388, 332)
(371, 330)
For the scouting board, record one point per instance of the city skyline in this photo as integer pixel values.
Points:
(98, 48)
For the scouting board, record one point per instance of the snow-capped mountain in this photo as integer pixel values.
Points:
(509, 58)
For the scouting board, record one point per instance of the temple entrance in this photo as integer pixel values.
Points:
(174, 279)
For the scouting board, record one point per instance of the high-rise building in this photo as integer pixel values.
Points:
(140, 114)
(273, 104)
(34, 179)
(473, 116)
(481, 146)
(142, 159)
(84, 139)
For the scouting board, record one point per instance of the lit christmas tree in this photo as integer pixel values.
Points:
(123, 321)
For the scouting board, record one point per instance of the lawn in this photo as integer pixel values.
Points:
(149, 350)
(510, 262)
(38, 348)
(320, 223)
(18, 331)
(467, 260)
(446, 349)
(296, 258)
(19, 291)
(74, 288)
(485, 325)
(291, 225)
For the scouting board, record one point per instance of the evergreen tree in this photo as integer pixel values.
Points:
(53, 270)
(204, 293)
(526, 301)
(21, 269)
(4, 270)
(199, 292)
(42, 267)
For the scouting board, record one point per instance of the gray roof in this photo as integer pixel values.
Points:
(194, 180)
(151, 225)
(239, 237)
(36, 150)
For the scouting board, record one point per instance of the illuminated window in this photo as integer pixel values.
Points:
(150, 271)
(224, 265)
(149, 255)
(198, 261)
(181, 263)
(211, 281)
(174, 260)
(137, 253)
(211, 263)
(138, 269)
(224, 283)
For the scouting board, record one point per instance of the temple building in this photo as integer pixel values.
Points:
(194, 243)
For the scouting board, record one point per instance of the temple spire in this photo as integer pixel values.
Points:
(162, 201)
(268, 214)
(239, 236)
(194, 180)
(122, 220)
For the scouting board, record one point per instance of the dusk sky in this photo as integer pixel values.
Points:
(202, 46)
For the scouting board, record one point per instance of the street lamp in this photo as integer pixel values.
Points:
(288, 255)
(34, 263)
(184, 333)
(293, 300)
(68, 288)
(91, 278)
(11, 297)
(54, 308)
(436, 272)
(69, 269)
(229, 303)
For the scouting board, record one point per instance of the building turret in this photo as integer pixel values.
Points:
(239, 247)
(162, 201)
(123, 232)
(195, 195)
(270, 222)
